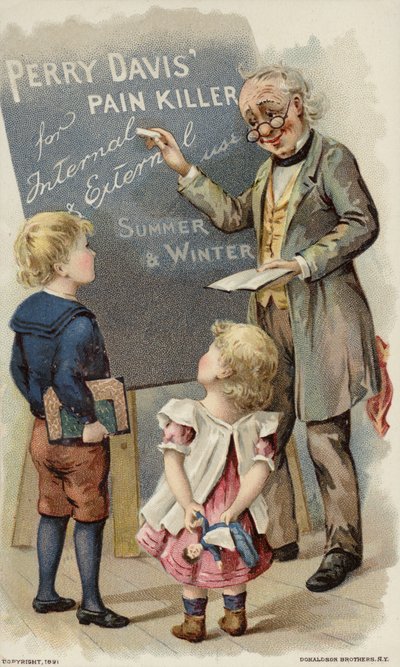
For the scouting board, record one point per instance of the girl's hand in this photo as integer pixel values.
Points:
(94, 432)
(190, 515)
(170, 151)
(229, 516)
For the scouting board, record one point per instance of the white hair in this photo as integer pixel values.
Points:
(292, 81)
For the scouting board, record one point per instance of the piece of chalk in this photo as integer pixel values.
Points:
(141, 132)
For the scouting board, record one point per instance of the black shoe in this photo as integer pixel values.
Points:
(62, 604)
(106, 618)
(333, 570)
(287, 552)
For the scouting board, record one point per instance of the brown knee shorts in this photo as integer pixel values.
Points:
(72, 479)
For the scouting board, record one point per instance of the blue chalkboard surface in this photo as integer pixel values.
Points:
(72, 97)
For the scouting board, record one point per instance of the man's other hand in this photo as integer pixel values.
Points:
(292, 265)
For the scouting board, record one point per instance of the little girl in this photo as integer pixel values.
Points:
(217, 455)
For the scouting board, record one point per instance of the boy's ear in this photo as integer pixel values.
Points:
(59, 269)
(224, 372)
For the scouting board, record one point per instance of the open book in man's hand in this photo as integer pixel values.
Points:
(252, 280)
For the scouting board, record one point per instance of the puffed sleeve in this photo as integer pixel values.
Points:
(265, 447)
(178, 421)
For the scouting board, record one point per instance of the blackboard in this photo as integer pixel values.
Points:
(72, 95)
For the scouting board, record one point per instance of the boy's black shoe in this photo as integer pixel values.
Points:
(106, 618)
(287, 552)
(333, 570)
(44, 606)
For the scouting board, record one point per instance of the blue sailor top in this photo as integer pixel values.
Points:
(57, 343)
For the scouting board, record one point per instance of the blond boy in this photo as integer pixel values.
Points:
(58, 344)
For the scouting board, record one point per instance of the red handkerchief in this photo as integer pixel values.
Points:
(378, 406)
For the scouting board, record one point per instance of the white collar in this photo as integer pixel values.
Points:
(69, 297)
(228, 425)
(302, 139)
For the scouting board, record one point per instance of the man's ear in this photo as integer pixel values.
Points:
(298, 104)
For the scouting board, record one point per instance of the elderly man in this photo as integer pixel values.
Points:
(312, 214)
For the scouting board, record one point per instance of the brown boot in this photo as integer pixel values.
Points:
(234, 622)
(193, 628)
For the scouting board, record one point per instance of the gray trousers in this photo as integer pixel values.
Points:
(328, 445)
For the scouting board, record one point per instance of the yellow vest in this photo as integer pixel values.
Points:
(274, 225)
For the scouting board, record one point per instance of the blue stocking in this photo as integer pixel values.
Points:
(50, 542)
(195, 607)
(88, 538)
(235, 602)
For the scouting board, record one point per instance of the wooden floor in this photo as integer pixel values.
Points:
(283, 616)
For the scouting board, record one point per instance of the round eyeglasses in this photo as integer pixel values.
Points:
(277, 121)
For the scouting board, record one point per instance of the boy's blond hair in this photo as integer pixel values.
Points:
(252, 357)
(46, 239)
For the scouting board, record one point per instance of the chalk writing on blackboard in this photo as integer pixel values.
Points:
(71, 114)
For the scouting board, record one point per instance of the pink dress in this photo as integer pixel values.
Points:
(205, 573)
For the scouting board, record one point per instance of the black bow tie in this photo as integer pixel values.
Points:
(296, 157)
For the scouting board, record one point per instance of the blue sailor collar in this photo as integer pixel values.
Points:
(46, 315)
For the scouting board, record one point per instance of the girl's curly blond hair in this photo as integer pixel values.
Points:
(45, 240)
(252, 357)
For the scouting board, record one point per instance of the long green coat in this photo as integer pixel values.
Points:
(331, 219)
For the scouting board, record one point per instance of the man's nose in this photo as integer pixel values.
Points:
(264, 129)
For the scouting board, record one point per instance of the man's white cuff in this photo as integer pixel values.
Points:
(190, 176)
(305, 269)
